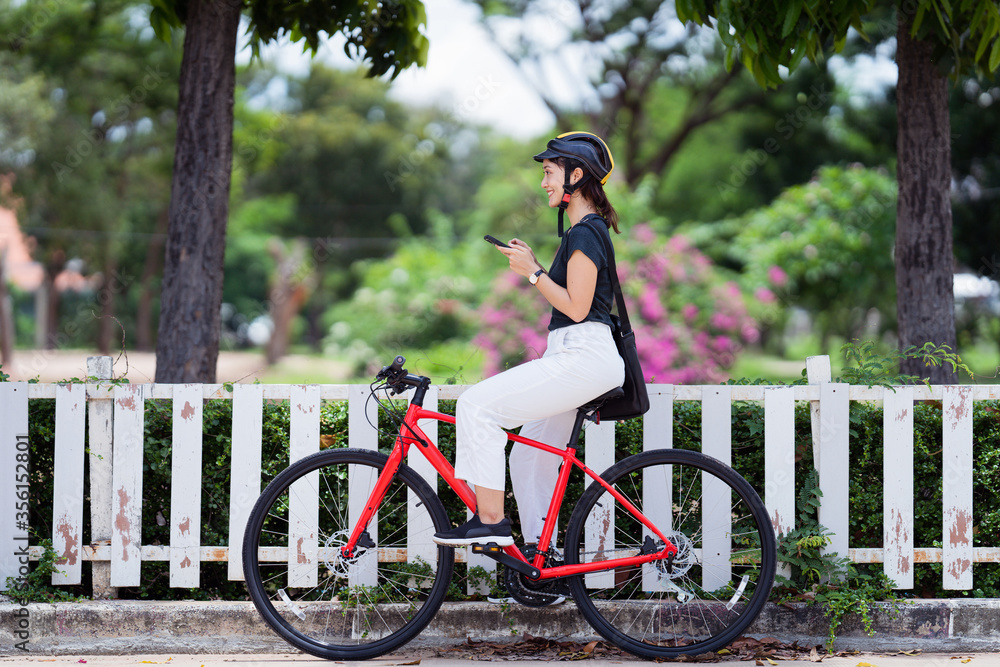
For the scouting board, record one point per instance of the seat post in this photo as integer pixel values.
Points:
(574, 437)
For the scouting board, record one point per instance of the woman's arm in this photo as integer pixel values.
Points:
(575, 299)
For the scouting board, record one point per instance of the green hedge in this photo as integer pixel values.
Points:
(747, 458)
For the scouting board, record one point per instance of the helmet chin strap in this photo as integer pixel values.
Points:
(568, 190)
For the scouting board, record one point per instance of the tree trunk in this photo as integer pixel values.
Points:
(924, 260)
(144, 311)
(108, 327)
(6, 315)
(187, 347)
(50, 319)
(292, 280)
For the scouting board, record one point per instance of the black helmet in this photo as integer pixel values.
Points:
(583, 149)
(586, 148)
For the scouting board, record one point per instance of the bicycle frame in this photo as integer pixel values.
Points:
(410, 433)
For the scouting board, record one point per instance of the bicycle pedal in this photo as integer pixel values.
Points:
(496, 552)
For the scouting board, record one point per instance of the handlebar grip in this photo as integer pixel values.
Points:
(397, 363)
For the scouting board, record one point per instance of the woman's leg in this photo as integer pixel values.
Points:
(533, 473)
(489, 504)
(581, 362)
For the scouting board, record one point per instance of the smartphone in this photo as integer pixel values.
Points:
(495, 241)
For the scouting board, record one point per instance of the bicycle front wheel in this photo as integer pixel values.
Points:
(346, 608)
(713, 588)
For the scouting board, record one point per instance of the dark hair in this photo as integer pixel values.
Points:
(592, 190)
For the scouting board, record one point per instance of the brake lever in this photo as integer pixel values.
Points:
(399, 388)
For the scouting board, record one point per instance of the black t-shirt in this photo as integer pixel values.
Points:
(584, 237)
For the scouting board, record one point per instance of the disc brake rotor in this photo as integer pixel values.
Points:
(682, 561)
(333, 557)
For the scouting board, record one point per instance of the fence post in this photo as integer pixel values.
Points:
(817, 372)
(15, 454)
(834, 452)
(100, 417)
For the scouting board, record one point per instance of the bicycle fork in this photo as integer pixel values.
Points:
(359, 535)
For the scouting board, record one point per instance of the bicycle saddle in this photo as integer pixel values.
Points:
(596, 403)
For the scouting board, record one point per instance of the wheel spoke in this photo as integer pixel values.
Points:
(354, 608)
(671, 613)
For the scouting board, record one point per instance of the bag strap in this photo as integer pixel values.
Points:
(626, 326)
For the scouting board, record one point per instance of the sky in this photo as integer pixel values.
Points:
(468, 75)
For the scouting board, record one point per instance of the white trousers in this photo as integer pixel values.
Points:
(580, 363)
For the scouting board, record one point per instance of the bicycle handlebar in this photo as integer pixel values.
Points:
(397, 363)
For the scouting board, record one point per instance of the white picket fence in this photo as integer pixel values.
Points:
(116, 416)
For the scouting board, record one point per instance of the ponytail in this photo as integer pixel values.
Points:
(592, 190)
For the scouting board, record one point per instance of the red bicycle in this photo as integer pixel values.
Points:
(667, 553)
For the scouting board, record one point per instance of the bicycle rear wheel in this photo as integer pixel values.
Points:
(322, 603)
(717, 583)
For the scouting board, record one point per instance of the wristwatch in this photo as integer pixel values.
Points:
(533, 278)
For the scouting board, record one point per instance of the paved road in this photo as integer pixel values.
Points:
(426, 659)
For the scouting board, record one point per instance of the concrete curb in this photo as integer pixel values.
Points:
(123, 627)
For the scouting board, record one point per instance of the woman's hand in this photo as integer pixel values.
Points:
(521, 257)
(575, 299)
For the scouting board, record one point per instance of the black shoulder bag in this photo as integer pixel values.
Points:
(635, 402)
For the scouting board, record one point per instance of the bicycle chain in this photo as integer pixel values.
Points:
(535, 593)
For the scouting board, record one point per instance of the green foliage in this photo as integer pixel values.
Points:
(89, 105)
(421, 298)
(802, 548)
(855, 593)
(387, 165)
(876, 368)
(825, 246)
(766, 36)
(479, 577)
(826, 578)
(338, 128)
(387, 34)
(37, 586)
(763, 37)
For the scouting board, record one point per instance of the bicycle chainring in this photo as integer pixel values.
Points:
(535, 593)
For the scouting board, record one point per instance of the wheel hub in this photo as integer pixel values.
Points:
(681, 562)
(335, 560)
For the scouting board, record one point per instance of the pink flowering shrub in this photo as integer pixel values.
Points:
(690, 322)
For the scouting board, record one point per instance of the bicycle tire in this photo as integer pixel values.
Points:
(703, 600)
(339, 609)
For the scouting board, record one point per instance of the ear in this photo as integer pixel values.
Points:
(575, 177)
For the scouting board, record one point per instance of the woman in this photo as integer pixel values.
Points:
(580, 363)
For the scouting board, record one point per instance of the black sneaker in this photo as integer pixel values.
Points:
(474, 531)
